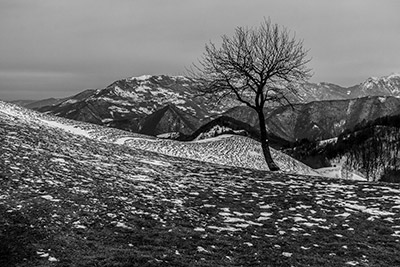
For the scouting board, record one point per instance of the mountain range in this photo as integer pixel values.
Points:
(127, 103)
(161, 104)
(319, 120)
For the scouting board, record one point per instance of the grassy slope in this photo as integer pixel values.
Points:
(66, 200)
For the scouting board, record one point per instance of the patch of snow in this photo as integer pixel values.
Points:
(69, 101)
(52, 259)
(220, 229)
(118, 109)
(141, 78)
(143, 89)
(233, 220)
(287, 254)
(202, 250)
(121, 140)
(352, 263)
(156, 162)
(264, 216)
(327, 141)
(60, 160)
(68, 128)
(315, 126)
(394, 75)
(125, 93)
(339, 124)
(50, 198)
(345, 215)
(122, 225)
(142, 178)
(372, 211)
(299, 219)
(382, 99)
(168, 135)
(212, 139)
(145, 110)
(106, 120)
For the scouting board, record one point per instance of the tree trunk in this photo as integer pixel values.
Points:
(264, 142)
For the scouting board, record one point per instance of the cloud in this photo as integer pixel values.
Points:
(101, 40)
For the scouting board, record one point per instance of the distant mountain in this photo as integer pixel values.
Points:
(320, 119)
(383, 86)
(36, 104)
(138, 104)
(387, 85)
(48, 102)
(22, 102)
(169, 119)
(126, 104)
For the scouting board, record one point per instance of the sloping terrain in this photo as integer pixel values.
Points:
(169, 119)
(372, 150)
(70, 200)
(223, 125)
(228, 150)
(227, 125)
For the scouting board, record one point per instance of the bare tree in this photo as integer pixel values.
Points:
(256, 66)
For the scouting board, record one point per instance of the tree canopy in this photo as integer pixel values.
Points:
(256, 65)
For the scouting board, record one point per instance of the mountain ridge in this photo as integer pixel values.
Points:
(318, 120)
(128, 103)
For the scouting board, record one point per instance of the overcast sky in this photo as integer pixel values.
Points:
(57, 48)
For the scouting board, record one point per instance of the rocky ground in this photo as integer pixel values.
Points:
(68, 199)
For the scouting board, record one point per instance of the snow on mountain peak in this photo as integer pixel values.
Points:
(141, 78)
(386, 84)
(394, 76)
(383, 78)
(180, 77)
(159, 77)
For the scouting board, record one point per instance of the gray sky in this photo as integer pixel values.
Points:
(56, 48)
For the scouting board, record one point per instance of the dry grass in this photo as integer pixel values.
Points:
(66, 200)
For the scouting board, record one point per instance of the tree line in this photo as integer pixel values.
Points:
(373, 148)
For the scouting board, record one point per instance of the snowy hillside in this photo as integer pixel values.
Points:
(68, 199)
(226, 150)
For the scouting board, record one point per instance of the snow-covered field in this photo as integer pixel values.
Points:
(70, 200)
(229, 150)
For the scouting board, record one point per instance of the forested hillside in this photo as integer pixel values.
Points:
(372, 149)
